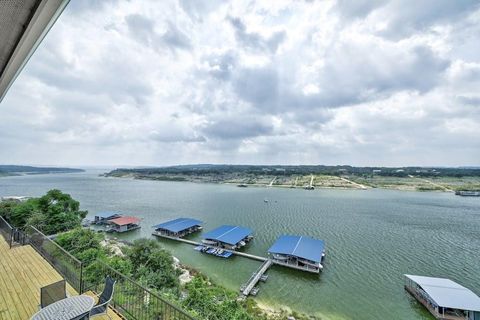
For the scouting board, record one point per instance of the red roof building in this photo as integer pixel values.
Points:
(125, 220)
(123, 224)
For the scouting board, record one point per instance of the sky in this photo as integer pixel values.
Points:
(154, 83)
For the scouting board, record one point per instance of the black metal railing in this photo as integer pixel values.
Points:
(130, 298)
(67, 265)
(6, 231)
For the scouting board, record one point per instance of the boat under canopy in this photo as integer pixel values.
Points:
(229, 237)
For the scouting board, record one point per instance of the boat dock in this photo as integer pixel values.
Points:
(249, 287)
(297, 252)
(195, 243)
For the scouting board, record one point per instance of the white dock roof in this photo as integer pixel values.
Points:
(447, 293)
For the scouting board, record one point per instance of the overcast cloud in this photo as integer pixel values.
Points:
(289, 82)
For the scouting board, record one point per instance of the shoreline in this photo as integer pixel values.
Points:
(352, 186)
(189, 272)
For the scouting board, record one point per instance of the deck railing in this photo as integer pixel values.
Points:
(6, 231)
(130, 298)
(66, 264)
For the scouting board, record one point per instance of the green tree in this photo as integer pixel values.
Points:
(22, 212)
(79, 240)
(61, 212)
(6, 209)
(52, 213)
(153, 265)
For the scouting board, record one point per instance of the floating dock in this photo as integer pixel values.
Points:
(123, 224)
(298, 252)
(222, 253)
(228, 237)
(195, 243)
(249, 287)
(104, 217)
(178, 228)
(444, 298)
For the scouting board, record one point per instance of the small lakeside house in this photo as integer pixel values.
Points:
(177, 228)
(298, 252)
(104, 217)
(228, 237)
(123, 224)
(444, 298)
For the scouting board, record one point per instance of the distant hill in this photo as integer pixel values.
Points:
(207, 169)
(9, 170)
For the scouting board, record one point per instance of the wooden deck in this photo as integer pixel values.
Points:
(22, 273)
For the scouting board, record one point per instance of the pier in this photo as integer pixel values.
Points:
(195, 243)
(247, 288)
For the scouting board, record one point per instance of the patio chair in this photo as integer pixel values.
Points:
(52, 293)
(105, 298)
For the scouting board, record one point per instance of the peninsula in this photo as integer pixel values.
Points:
(315, 176)
(15, 170)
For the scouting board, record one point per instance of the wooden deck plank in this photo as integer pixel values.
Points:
(22, 273)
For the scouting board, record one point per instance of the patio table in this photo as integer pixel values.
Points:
(66, 309)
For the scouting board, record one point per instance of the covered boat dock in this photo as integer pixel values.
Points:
(123, 224)
(178, 227)
(444, 298)
(228, 237)
(298, 252)
(103, 217)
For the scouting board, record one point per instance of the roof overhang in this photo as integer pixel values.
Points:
(123, 221)
(447, 293)
(228, 234)
(23, 25)
(178, 225)
(300, 247)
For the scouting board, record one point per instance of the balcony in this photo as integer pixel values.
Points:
(22, 273)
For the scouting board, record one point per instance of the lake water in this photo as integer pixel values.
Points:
(372, 237)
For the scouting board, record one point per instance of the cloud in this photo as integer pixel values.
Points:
(254, 40)
(157, 83)
(399, 19)
(175, 38)
(143, 30)
(238, 127)
(257, 85)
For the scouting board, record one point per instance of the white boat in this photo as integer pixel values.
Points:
(279, 257)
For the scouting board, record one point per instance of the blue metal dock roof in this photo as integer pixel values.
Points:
(107, 214)
(178, 225)
(298, 246)
(228, 234)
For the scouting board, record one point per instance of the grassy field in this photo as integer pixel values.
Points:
(296, 181)
(420, 184)
(345, 181)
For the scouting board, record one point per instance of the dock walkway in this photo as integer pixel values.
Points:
(256, 276)
(195, 243)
